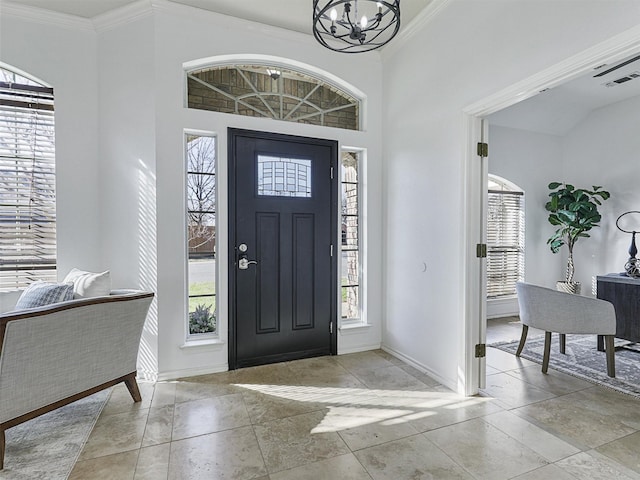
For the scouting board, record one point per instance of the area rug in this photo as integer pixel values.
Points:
(47, 447)
(584, 361)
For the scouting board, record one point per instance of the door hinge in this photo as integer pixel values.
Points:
(483, 149)
(331, 327)
(331, 173)
(481, 350)
(481, 250)
(332, 249)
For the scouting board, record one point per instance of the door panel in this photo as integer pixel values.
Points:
(283, 208)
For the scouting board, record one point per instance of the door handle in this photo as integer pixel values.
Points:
(244, 262)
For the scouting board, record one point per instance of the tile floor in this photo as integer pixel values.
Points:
(367, 416)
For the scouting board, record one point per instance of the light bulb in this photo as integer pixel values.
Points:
(333, 14)
(363, 21)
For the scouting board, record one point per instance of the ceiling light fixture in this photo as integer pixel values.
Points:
(362, 25)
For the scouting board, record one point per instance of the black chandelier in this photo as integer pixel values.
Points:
(355, 26)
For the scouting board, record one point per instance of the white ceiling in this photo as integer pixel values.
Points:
(556, 111)
(290, 14)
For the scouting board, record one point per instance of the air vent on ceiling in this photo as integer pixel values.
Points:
(621, 80)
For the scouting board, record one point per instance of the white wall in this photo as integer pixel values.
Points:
(63, 56)
(470, 50)
(128, 167)
(603, 150)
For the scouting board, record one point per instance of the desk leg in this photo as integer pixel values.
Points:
(600, 343)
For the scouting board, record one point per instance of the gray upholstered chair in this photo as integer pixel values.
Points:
(553, 311)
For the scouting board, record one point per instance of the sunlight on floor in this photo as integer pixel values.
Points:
(356, 407)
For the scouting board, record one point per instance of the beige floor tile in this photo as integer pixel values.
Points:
(390, 378)
(625, 451)
(293, 441)
(423, 377)
(593, 466)
(485, 451)
(548, 472)
(209, 415)
(115, 433)
(378, 425)
(189, 391)
(159, 426)
(120, 466)
(153, 462)
(120, 400)
(231, 454)
(504, 361)
(342, 467)
(323, 371)
(389, 357)
(543, 443)
(409, 458)
(580, 418)
(555, 382)
(263, 407)
(363, 361)
(274, 374)
(164, 394)
(513, 392)
(442, 409)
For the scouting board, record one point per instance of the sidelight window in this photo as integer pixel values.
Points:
(201, 233)
(350, 238)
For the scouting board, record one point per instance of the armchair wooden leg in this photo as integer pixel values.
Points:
(563, 343)
(611, 357)
(1, 448)
(547, 352)
(132, 386)
(523, 338)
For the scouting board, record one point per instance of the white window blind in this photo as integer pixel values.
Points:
(27, 182)
(505, 242)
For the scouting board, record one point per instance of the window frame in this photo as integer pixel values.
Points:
(23, 97)
(196, 338)
(361, 320)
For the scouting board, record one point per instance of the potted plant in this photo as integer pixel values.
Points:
(574, 211)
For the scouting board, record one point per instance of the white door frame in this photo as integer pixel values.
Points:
(609, 51)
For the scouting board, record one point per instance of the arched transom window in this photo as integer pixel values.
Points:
(272, 92)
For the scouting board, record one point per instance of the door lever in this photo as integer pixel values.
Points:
(244, 262)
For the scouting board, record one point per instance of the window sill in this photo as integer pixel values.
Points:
(353, 327)
(208, 342)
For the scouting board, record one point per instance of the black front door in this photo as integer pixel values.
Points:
(283, 229)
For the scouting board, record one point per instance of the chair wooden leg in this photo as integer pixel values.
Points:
(132, 386)
(600, 343)
(523, 338)
(563, 342)
(547, 352)
(611, 357)
(1, 449)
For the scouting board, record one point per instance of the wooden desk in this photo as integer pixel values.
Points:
(624, 293)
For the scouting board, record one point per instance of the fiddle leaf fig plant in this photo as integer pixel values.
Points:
(574, 211)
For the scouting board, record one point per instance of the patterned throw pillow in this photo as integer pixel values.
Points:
(43, 293)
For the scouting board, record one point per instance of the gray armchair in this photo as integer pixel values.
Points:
(560, 312)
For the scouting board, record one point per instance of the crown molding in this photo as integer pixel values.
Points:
(423, 18)
(123, 15)
(45, 17)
